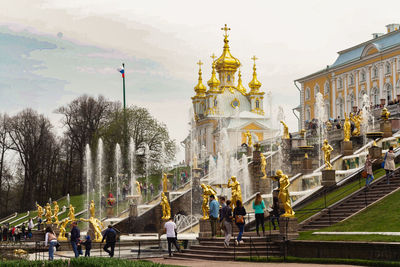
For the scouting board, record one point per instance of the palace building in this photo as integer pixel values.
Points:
(226, 104)
(371, 68)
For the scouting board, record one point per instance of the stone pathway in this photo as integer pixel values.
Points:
(202, 263)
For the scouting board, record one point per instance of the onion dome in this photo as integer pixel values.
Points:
(200, 89)
(254, 84)
(213, 83)
(226, 62)
(240, 86)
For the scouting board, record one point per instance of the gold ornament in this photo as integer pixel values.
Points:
(138, 190)
(356, 119)
(49, 214)
(327, 149)
(283, 195)
(63, 227)
(346, 128)
(385, 114)
(56, 210)
(71, 213)
(236, 190)
(92, 208)
(166, 209)
(39, 211)
(96, 223)
(263, 166)
(285, 131)
(249, 138)
(165, 182)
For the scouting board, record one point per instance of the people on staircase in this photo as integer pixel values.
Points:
(226, 215)
(275, 213)
(368, 170)
(259, 207)
(239, 212)
(214, 210)
(389, 164)
(170, 229)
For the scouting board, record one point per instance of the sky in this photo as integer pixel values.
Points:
(53, 51)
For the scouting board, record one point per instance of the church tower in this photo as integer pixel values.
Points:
(256, 97)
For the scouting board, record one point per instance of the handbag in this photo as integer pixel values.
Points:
(364, 174)
(239, 219)
(384, 160)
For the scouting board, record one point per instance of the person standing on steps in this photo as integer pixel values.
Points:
(226, 215)
(259, 206)
(389, 164)
(170, 229)
(111, 238)
(239, 212)
(51, 241)
(221, 217)
(368, 170)
(75, 238)
(214, 210)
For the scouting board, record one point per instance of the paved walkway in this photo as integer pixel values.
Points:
(201, 263)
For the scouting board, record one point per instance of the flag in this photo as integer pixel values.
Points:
(122, 71)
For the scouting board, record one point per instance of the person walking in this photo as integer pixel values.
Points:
(170, 228)
(88, 245)
(275, 213)
(259, 206)
(111, 238)
(51, 241)
(214, 210)
(226, 214)
(368, 170)
(23, 230)
(75, 238)
(389, 164)
(239, 212)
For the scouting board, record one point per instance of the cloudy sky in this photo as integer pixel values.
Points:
(54, 50)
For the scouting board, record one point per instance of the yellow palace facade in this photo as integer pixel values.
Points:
(371, 68)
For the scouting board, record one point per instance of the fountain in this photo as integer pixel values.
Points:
(100, 173)
(117, 172)
(321, 116)
(88, 168)
(132, 158)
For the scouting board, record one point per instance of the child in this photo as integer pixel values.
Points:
(88, 245)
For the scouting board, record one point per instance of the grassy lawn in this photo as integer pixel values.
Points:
(333, 197)
(384, 216)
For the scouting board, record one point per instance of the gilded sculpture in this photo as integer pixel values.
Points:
(346, 128)
(39, 211)
(234, 185)
(71, 213)
(92, 208)
(385, 114)
(96, 227)
(49, 214)
(204, 206)
(138, 189)
(302, 133)
(165, 182)
(249, 138)
(63, 229)
(285, 131)
(263, 166)
(56, 211)
(327, 149)
(283, 195)
(356, 119)
(166, 209)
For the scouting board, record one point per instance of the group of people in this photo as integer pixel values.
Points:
(388, 165)
(16, 233)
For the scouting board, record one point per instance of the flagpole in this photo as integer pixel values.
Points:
(123, 85)
(125, 134)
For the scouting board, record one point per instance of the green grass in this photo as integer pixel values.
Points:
(334, 196)
(321, 261)
(82, 262)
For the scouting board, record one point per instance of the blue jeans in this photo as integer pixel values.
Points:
(75, 248)
(369, 179)
(241, 229)
(52, 245)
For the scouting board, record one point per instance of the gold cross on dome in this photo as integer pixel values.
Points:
(213, 57)
(254, 59)
(200, 63)
(226, 29)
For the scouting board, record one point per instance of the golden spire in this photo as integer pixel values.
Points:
(240, 86)
(254, 84)
(226, 62)
(213, 82)
(200, 89)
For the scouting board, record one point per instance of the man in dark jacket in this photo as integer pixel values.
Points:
(111, 238)
(75, 238)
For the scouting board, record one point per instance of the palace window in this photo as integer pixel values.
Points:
(308, 94)
(387, 68)
(316, 90)
(389, 94)
(362, 78)
(361, 98)
(308, 114)
(375, 72)
(375, 96)
(326, 88)
(340, 83)
(215, 102)
(229, 78)
(351, 79)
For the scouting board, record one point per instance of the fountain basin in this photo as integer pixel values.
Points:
(374, 135)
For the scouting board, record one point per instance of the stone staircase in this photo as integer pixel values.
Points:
(351, 204)
(213, 249)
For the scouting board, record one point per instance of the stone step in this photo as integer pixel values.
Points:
(271, 246)
(231, 252)
(203, 257)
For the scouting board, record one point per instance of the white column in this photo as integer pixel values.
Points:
(333, 97)
(345, 93)
(368, 72)
(381, 80)
(357, 93)
(394, 78)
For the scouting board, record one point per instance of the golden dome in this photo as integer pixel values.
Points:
(254, 84)
(240, 86)
(213, 82)
(226, 62)
(200, 89)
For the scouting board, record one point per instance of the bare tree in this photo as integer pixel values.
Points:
(5, 144)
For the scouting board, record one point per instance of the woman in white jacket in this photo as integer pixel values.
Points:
(389, 164)
(50, 240)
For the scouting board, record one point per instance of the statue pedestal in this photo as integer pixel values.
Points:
(205, 228)
(162, 231)
(286, 144)
(133, 211)
(264, 186)
(386, 128)
(197, 199)
(110, 211)
(328, 177)
(306, 165)
(347, 148)
(375, 152)
(288, 227)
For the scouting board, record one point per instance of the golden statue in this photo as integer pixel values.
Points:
(328, 125)
(96, 227)
(327, 149)
(138, 190)
(63, 227)
(92, 208)
(285, 131)
(356, 119)
(55, 213)
(49, 214)
(385, 114)
(305, 155)
(346, 128)
(166, 208)
(263, 166)
(213, 192)
(165, 182)
(39, 211)
(205, 207)
(71, 213)
(249, 138)
(236, 190)
(302, 133)
(284, 193)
